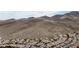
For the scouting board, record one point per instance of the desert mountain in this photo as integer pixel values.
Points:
(43, 31)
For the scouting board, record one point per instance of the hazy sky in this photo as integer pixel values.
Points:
(24, 14)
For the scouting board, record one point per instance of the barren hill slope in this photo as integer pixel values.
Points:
(62, 31)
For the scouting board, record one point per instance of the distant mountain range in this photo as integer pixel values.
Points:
(40, 27)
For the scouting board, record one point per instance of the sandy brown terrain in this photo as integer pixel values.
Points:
(59, 31)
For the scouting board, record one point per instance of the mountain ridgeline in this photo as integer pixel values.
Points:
(41, 32)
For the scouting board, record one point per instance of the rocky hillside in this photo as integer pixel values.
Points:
(42, 32)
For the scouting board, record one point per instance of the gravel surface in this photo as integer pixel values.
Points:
(70, 40)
